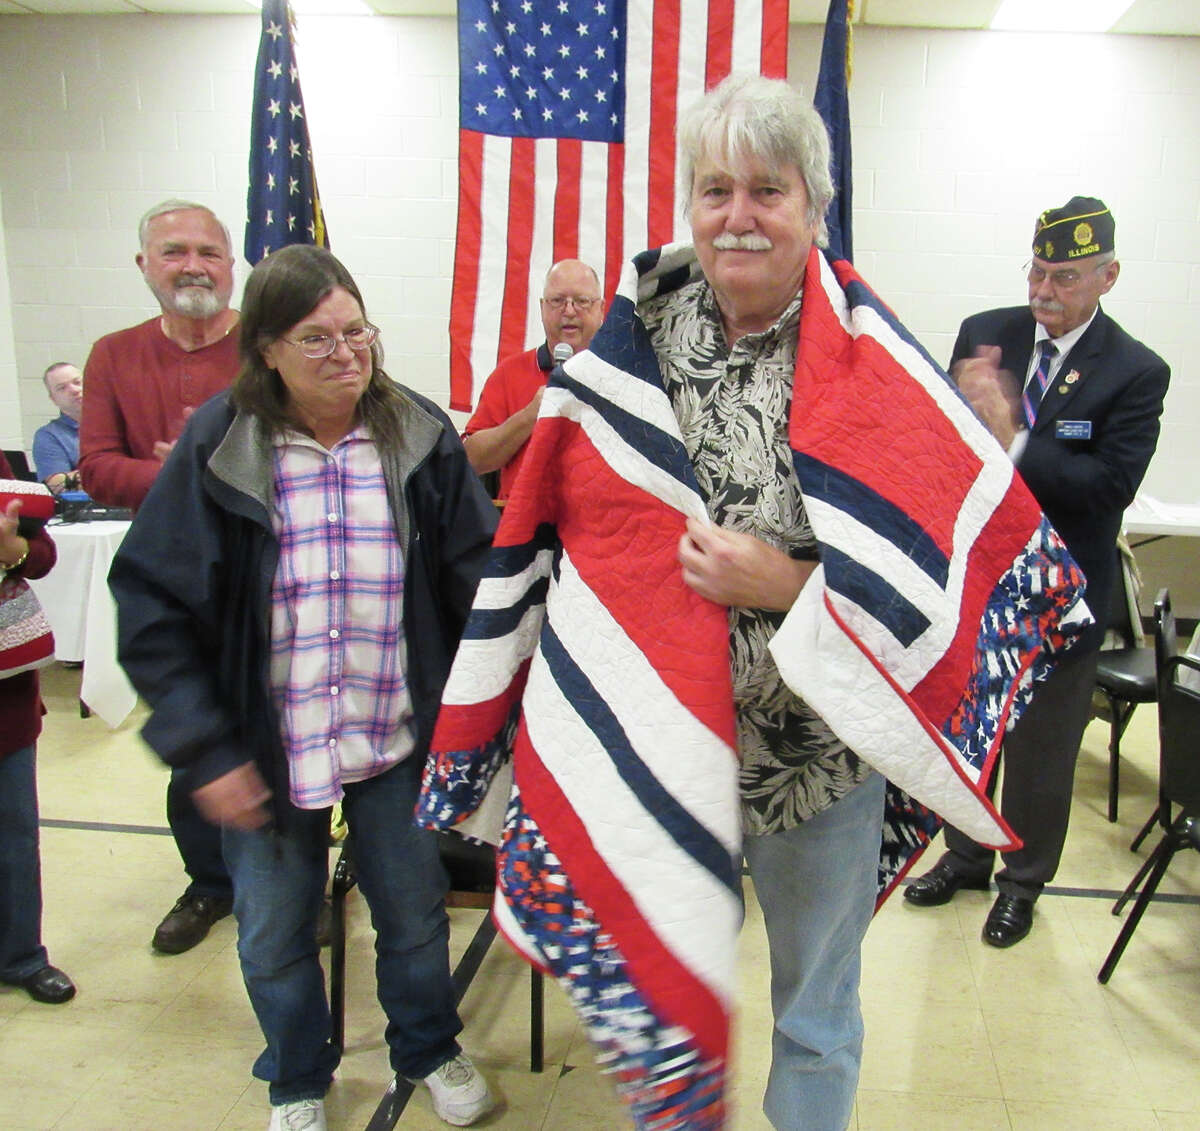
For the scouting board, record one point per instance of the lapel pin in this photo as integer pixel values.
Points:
(1072, 377)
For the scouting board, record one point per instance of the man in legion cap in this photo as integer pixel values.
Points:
(1076, 403)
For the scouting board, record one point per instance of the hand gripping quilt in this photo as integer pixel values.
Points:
(590, 700)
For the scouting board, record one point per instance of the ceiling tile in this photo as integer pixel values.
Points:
(1161, 17)
(922, 13)
(198, 7)
(77, 7)
(1145, 17)
(414, 7)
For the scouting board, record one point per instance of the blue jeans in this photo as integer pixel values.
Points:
(21, 950)
(278, 881)
(816, 884)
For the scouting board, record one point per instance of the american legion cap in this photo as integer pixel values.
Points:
(1081, 227)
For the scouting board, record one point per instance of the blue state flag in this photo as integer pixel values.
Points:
(833, 104)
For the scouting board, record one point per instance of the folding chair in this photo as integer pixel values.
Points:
(1125, 674)
(1179, 773)
(472, 872)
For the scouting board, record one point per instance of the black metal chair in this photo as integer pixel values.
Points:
(1125, 675)
(18, 461)
(471, 869)
(1178, 768)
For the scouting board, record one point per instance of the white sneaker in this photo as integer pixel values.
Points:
(460, 1094)
(299, 1115)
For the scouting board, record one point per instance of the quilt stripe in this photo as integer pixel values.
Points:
(646, 602)
(664, 1071)
(695, 992)
(844, 492)
(632, 781)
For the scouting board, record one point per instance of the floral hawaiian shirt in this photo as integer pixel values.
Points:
(733, 407)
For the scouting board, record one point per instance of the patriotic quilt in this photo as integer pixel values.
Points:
(588, 717)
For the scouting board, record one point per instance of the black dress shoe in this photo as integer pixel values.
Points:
(1009, 920)
(188, 922)
(49, 985)
(938, 886)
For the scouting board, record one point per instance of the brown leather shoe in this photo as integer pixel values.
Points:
(188, 922)
(48, 985)
(939, 886)
(1009, 921)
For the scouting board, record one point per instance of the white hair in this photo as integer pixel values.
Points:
(752, 117)
(166, 206)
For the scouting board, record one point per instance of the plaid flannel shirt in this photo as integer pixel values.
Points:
(337, 631)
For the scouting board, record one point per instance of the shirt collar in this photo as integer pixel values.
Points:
(1068, 341)
(787, 322)
(293, 436)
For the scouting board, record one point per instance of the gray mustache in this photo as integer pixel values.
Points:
(751, 241)
(1048, 305)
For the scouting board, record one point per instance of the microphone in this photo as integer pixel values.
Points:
(562, 351)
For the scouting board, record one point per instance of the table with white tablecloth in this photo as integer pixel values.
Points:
(1163, 536)
(1157, 519)
(81, 611)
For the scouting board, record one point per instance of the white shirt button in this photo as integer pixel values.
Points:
(333, 690)
(332, 517)
(334, 634)
(334, 575)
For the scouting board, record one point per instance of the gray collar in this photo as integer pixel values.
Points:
(244, 459)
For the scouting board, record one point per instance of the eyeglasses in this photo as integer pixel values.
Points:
(1060, 280)
(317, 346)
(559, 302)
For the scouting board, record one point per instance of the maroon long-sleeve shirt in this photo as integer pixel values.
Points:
(138, 388)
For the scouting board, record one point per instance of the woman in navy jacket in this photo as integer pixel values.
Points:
(228, 564)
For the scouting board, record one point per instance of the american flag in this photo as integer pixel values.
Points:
(282, 203)
(567, 145)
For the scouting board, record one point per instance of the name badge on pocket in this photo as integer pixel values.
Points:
(1072, 429)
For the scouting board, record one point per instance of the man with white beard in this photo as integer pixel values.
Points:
(142, 383)
(140, 386)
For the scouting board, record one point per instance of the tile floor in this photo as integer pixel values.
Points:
(959, 1036)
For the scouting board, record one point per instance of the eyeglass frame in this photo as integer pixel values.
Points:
(333, 340)
(1055, 277)
(580, 302)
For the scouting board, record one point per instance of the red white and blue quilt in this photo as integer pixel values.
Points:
(589, 710)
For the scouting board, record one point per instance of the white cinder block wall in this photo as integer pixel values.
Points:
(10, 403)
(960, 139)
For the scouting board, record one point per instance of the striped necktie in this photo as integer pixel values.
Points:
(1036, 385)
